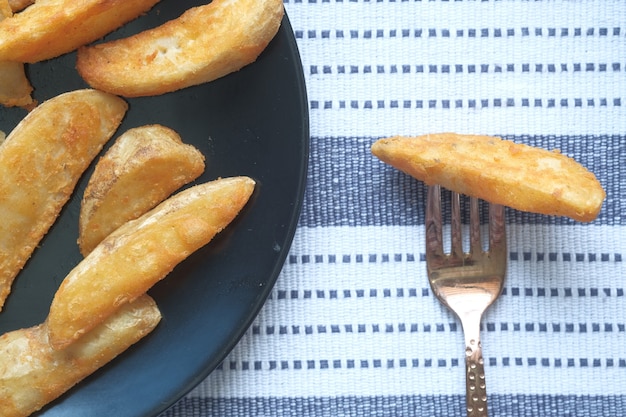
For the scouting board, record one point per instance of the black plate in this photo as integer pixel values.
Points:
(253, 122)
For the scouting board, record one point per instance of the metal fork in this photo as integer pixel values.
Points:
(467, 282)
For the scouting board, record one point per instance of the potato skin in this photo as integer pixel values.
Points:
(49, 28)
(41, 161)
(143, 167)
(203, 44)
(496, 170)
(32, 373)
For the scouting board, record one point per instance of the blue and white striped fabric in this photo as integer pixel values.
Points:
(351, 327)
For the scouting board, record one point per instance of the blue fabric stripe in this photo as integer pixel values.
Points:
(350, 187)
(440, 405)
(452, 32)
(536, 67)
(455, 103)
(514, 256)
(531, 362)
(280, 294)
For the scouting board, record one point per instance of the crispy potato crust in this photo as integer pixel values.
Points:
(50, 28)
(140, 253)
(41, 161)
(203, 44)
(142, 168)
(500, 171)
(32, 373)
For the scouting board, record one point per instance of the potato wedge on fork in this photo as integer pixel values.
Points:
(499, 171)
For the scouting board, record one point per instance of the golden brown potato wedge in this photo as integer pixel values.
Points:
(204, 43)
(140, 253)
(41, 161)
(143, 167)
(32, 373)
(49, 28)
(500, 171)
(15, 89)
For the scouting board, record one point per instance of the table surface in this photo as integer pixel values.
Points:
(352, 327)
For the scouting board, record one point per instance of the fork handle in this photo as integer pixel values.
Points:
(476, 389)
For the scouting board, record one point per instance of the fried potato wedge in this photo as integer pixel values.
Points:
(140, 253)
(203, 44)
(41, 161)
(49, 28)
(144, 166)
(500, 171)
(15, 89)
(32, 373)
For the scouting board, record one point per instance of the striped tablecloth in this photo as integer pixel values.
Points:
(351, 327)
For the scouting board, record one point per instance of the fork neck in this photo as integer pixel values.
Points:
(476, 395)
(470, 320)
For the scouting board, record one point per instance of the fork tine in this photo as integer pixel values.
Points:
(455, 227)
(497, 232)
(434, 240)
(476, 246)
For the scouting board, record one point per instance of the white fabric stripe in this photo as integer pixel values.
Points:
(520, 116)
(491, 121)
(401, 239)
(440, 14)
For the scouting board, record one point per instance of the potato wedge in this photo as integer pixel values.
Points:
(49, 28)
(203, 44)
(500, 171)
(15, 89)
(41, 161)
(140, 253)
(143, 167)
(32, 373)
